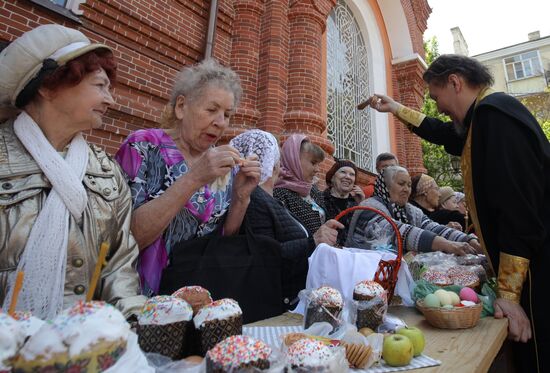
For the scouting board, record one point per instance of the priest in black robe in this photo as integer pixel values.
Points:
(506, 168)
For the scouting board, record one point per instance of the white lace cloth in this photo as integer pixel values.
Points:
(44, 258)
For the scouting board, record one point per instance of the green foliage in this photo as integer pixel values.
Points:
(546, 128)
(436, 160)
(539, 105)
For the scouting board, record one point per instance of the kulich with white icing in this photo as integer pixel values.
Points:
(218, 310)
(164, 309)
(44, 344)
(238, 349)
(76, 329)
(11, 339)
(327, 296)
(369, 288)
(28, 322)
(309, 353)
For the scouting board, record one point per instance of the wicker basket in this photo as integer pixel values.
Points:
(386, 274)
(451, 318)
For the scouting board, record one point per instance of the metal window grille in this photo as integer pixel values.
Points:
(349, 129)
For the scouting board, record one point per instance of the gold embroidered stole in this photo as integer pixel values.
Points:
(466, 166)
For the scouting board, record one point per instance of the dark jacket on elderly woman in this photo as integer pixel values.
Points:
(302, 209)
(267, 216)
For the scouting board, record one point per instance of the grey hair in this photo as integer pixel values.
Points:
(390, 172)
(192, 80)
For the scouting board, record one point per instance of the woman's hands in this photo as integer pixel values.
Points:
(213, 163)
(247, 178)
(327, 233)
(452, 247)
(357, 194)
(244, 183)
(454, 225)
(474, 242)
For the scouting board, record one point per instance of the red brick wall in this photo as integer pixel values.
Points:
(275, 46)
(409, 86)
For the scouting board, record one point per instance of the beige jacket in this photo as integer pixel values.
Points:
(23, 191)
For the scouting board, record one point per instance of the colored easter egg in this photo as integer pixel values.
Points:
(469, 295)
(455, 299)
(443, 296)
(431, 300)
(467, 303)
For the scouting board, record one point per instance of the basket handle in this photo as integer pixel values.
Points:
(383, 265)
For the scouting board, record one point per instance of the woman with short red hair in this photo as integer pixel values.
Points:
(60, 197)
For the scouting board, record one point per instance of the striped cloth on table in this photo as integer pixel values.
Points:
(271, 335)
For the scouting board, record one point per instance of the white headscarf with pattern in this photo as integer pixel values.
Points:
(261, 143)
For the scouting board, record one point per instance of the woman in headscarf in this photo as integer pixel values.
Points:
(391, 193)
(426, 195)
(300, 159)
(61, 197)
(341, 192)
(267, 216)
(447, 211)
(183, 185)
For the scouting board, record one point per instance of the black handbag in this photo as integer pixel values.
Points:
(245, 267)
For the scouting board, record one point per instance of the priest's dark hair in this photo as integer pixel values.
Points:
(475, 74)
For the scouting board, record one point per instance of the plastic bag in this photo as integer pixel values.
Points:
(370, 313)
(488, 298)
(378, 236)
(316, 312)
(133, 359)
(164, 364)
(337, 362)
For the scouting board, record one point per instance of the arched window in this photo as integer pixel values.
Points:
(349, 129)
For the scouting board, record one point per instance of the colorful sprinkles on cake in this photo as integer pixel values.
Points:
(217, 310)
(370, 288)
(308, 352)
(437, 278)
(191, 289)
(164, 309)
(239, 349)
(327, 296)
(465, 279)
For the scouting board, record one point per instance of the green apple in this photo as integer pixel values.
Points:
(397, 350)
(416, 336)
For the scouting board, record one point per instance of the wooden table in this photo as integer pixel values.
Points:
(464, 350)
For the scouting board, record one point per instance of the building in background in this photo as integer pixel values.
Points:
(304, 64)
(522, 69)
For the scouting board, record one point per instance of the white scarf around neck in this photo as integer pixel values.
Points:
(44, 258)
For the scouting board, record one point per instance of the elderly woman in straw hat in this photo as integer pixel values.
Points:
(183, 186)
(60, 197)
(447, 212)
